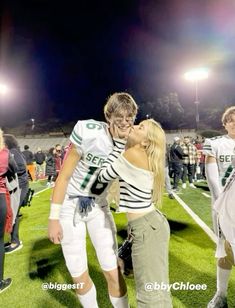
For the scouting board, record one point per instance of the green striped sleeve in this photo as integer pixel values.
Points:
(207, 147)
(77, 139)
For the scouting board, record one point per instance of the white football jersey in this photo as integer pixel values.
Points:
(94, 143)
(223, 149)
(224, 205)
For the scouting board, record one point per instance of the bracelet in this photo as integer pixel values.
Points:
(55, 211)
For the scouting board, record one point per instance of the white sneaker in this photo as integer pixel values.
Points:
(192, 185)
(13, 247)
(184, 185)
(218, 301)
(4, 284)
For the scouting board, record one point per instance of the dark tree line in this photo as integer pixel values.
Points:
(171, 113)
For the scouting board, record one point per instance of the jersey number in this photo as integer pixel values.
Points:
(91, 171)
(94, 189)
(93, 125)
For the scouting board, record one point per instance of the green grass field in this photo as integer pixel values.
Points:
(39, 262)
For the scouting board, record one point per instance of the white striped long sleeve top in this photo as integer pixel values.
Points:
(135, 183)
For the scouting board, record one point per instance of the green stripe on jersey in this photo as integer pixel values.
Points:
(226, 175)
(77, 138)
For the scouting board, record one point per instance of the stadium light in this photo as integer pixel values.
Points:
(195, 76)
(3, 89)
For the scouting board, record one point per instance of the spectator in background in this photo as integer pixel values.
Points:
(59, 155)
(219, 164)
(176, 159)
(29, 157)
(4, 160)
(40, 158)
(167, 176)
(200, 174)
(51, 167)
(66, 150)
(12, 145)
(189, 161)
(60, 151)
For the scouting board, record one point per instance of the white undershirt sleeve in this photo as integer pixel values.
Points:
(212, 175)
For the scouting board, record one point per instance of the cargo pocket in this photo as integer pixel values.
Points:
(156, 221)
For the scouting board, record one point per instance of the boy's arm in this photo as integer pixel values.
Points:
(212, 176)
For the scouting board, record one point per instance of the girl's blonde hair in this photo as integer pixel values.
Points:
(1, 140)
(155, 150)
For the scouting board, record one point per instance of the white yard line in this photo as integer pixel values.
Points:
(197, 219)
(206, 195)
(38, 192)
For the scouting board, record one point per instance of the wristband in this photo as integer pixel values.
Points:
(55, 211)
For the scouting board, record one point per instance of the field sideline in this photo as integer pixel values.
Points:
(39, 262)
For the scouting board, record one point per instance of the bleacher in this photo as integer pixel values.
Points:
(47, 134)
(44, 135)
(45, 143)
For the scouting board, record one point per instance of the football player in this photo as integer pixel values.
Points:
(74, 209)
(220, 154)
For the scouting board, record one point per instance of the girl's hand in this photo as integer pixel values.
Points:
(119, 132)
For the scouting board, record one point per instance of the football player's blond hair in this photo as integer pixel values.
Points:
(227, 115)
(119, 102)
(156, 149)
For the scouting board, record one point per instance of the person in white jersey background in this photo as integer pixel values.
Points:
(220, 153)
(140, 170)
(74, 209)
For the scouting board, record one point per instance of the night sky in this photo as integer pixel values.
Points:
(64, 58)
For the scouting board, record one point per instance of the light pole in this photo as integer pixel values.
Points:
(195, 76)
(3, 91)
(33, 124)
